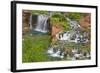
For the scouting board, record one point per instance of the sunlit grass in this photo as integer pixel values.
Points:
(35, 47)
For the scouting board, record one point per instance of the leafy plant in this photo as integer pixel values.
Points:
(74, 15)
(35, 47)
(59, 20)
(37, 12)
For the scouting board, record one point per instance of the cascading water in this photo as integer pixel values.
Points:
(42, 24)
(72, 36)
(30, 22)
(74, 24)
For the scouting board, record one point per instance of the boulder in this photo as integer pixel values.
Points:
(55, 29)
(85, 21)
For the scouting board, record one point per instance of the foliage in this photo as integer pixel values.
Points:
(57, 15)
(37, 12)
(74, 15)
(59, 19)
(35, 47)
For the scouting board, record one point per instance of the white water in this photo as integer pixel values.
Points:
(74, 24)
(55, 54)
(50, 50)
(66, 36)
(42, 24)
(30, 22)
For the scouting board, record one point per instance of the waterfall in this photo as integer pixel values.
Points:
(42, 24)
(30, 22)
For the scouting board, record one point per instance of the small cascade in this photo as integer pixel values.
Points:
(63, 36)
(72, 36)
(55, 52)
(42, 24)
(74, 24)
(30, 22)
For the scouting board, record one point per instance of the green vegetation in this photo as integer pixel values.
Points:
(37, 12)
(35, 47)
(59, 20)
(71, 45)
(74, 15)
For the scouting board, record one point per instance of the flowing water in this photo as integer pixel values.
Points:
(73, 23)
(42, 24)
(71, 36)
(30, 22)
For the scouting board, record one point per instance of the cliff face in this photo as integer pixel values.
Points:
(55, 29)
(85, 21)
(25, 21)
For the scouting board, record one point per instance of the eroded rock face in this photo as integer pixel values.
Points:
(25, 21)
(85, 21)
(55, 29)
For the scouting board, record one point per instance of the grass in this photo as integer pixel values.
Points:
(35, 47)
